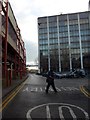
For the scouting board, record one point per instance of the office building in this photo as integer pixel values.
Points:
(64, 41)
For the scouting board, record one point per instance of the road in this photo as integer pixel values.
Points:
(31, 101)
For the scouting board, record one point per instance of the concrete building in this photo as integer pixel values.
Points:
(13, 48)
(64, 41)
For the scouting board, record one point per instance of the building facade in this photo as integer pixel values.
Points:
(64, 41)
(13, 54)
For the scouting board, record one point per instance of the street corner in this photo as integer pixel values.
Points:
(85, 90)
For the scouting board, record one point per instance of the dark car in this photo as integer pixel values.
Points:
(71, 74)
(58, 75)
(76, 73)
(81, 73)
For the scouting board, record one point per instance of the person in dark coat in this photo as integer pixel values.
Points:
(50, 81)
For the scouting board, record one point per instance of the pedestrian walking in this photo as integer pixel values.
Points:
(50, 81)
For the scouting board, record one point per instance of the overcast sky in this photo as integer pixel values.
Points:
(27, 12)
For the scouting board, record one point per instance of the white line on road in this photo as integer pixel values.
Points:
(26, 89)
(60, 106)
(41, 89)
(58, 89)
(63, 88)
(70, 110)
(48, 113)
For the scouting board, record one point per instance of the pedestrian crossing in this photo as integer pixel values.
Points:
(42, 89)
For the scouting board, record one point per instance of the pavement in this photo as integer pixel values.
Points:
(15, 83)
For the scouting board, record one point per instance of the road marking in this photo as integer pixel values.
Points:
(58, 89)
(70, 110)
(61, 105)
(42, 89)
(26, 89)
(33, 89)
(63, 88)
(48, 113)
(51, 89)
(10, 97)
(84, 92)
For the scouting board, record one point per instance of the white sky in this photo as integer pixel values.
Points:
(27, 12)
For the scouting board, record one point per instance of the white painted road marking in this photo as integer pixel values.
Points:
(71, 109)
(26, 89)
(42, 89)
(48, 113)
(58, 89)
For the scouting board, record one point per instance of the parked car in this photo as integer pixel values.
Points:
(76, 73)
(81, 73)
(59, 75)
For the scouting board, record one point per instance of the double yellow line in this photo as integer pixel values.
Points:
(10, 97)
(87, 94)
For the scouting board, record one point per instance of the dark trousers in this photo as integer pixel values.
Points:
(53, 86)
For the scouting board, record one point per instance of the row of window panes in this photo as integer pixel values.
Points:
(73, 27)
(84, 21)
(40, 39)
(85, 38)
(54, 35)
(75, 53)
(74, 33)
(43, 42)
(63, 40)
(42, 25)
(65, 46)
(62, 29)
(43, 30)
(53, 47)
(53, 24)
(75, 45)
(53, 41)
(85, 32)
(43, 36)
(84, 26)
(63, 34)
(74, 39)
(85, 50)
(87, 44)
(52, 29)
(43, 47)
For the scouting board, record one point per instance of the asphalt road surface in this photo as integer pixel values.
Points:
(31, 101)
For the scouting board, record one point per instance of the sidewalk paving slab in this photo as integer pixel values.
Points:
(14, 84)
